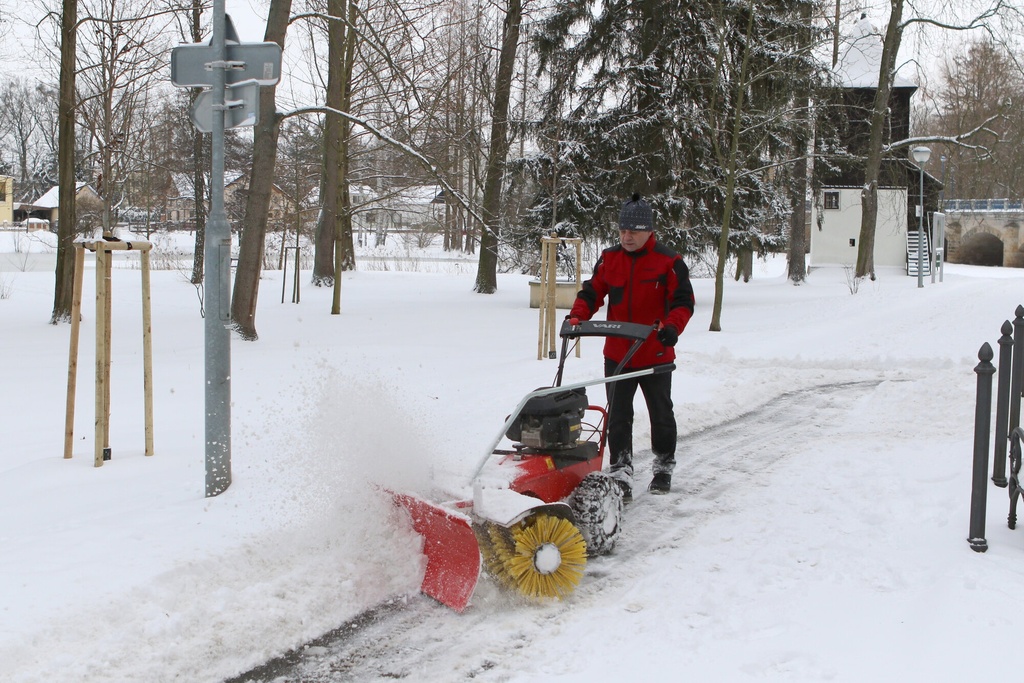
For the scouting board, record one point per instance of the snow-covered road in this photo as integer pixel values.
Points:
(718, 469)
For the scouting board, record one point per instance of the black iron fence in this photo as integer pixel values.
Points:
(1008, 433)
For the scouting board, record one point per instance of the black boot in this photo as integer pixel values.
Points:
(662, 483)
(627, 490)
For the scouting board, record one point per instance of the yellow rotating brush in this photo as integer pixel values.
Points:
(549, 557)
(497, 548)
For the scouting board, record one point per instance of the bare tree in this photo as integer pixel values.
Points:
(486, 275)
(877, 144)
(334, 250)
(797, 261)
(200, 159)
(64, 273)
(261, 180)
(298, 151)
(121, 50)
(728, 158)
(344, 249)
(19, 126)
(327, 222)
(975, 85)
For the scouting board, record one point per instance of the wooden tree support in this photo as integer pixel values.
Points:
(103, 250)
(548, 329)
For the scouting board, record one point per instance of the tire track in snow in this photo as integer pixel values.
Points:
(415, 639)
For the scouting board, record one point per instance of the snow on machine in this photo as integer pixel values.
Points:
(540, 507)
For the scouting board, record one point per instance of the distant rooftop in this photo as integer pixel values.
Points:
(860, 57)
(49, 199)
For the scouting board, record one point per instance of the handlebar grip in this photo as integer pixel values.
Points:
(662, 369)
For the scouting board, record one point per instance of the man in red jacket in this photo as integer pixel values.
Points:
(644, 282)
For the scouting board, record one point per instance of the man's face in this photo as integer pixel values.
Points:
(633, 239)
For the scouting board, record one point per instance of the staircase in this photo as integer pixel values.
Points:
(915, 242)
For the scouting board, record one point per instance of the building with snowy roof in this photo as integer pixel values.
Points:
(836, 212)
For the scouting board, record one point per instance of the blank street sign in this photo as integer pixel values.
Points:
(260, 62)
(242, 99)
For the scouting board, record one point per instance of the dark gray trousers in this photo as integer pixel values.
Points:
(657, 391)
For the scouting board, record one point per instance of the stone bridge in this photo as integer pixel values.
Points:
(972, 224)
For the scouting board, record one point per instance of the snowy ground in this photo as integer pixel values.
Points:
(816, 531)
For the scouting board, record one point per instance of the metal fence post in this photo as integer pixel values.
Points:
(1017, 377)
(982, 424)
(1002, 404)
(1015, 490)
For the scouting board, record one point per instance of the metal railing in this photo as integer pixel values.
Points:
(983, 205)
(1009, 391)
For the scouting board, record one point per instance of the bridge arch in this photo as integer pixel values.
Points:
(971, 232)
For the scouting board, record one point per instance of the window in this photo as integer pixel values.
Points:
(831, 200)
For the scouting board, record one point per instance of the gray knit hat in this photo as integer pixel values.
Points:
(636, 215)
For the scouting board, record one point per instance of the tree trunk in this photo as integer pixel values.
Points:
(199, 164)
(873, 162)
(744, 264)
(797, 271)
(326, 225)
(487, 269)
(344, 247)
(261, 181)
(199, 197)
(730, 187)
(64, 275)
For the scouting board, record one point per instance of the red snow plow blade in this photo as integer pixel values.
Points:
(453, 556)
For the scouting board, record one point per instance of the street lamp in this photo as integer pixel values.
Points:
(939, 229)
(942, 192)
(921, 156)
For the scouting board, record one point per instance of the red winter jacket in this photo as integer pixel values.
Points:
(649, 284)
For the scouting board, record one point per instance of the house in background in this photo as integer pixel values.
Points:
(412, 210)
(180, 206)
(835, 227)
(836, 212)
(415, 208)
(47, 208)
(6, 200)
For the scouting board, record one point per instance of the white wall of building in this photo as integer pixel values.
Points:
(6, 199)
(835, 237)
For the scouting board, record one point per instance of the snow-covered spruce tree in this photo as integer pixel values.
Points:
(646, 97)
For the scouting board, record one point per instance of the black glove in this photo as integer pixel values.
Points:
(668, 336)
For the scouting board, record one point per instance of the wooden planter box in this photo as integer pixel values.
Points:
(565, 294)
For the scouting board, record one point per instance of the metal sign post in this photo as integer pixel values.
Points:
(939, 243)
(215, 65)
(216, 284)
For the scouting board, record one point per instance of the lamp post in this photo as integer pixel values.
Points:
(942, 191)
(921, 156)
(939, 228)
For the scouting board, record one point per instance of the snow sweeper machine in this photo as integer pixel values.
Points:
(540, 507)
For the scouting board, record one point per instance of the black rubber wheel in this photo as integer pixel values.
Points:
(597, 505)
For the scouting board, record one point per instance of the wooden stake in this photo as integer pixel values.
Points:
(147, 351)
(552, 291)
(76, 316)
(100, 423)
(548, 291)
(104, 317)
(579, 274)
(541, 298)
